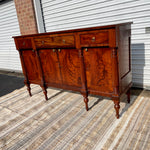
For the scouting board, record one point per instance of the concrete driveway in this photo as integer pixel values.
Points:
(9, 82)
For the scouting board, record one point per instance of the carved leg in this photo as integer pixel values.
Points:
(128, 95)
(85, 95)
(28, 87)
(44, 91)
(86, 102)
(117, 107)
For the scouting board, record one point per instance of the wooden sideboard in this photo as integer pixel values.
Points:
(91, 61)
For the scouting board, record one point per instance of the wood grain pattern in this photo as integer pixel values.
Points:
(24, 43)
(98, 69)
(100, 37)
(31, 65)
(50, 66)
(70, 67)
(53, 41)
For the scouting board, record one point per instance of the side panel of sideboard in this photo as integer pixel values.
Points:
(124, 50)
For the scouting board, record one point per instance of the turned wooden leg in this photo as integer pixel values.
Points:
(86, 102)
(85, 96)
(28, 87)
(117, 107)
(45, 92)
(128, 96)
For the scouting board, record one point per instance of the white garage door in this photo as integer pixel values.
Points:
(71, 14)
(9, 59)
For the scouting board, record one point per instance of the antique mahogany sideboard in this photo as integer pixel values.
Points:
(91, 60)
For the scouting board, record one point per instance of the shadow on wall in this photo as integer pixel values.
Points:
(10, 83)
(138, 64)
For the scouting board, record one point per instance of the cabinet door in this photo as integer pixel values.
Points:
(70, 67)
(98, 66)
(31, 65)
(50, 66)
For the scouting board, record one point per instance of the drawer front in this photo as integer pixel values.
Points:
(95, 38)
(24, 43)
(55, 41)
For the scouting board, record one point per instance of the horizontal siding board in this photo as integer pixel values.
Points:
(6, 5)
(7, 15)
(100, 15)
(96, 18)
(5, 20)
(136, 53)
(9, 57)
(8, 33)
(140, 46)
(78, 12)
(141, 76)
(141, 72)
(88, 5)
(140, 57)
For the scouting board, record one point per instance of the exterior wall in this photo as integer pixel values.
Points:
(75, 14)
(26, 16)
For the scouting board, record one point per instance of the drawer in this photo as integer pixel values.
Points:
(55, 41)
(24, 43)
(95, 38)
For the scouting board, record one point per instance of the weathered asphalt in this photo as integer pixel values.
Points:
(9, 83)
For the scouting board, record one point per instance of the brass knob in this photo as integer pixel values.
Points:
(93, 39)
(43, 42)
(64, 41)
(53, 50)
(86, 49)
(24, 43)
(59, 50)
(33, 50)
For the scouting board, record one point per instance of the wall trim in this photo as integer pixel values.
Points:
(39, 16)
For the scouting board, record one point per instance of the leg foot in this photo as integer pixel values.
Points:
(85, 96)
(86, 102)
(128, 96)
(117, 107)
(28, 87)
(45, 92)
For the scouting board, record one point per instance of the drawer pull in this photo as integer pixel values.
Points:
(33, 50)
(43, 42)
(59, 50)
(64, 41)
(53, 50)
(86, 49)
(93, 39)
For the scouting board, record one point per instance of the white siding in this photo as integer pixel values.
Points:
(72, 14)
(9, 58)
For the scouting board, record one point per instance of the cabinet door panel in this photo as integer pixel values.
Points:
(98, 69)
(50, 66)
(31, 66)
(70, 67)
